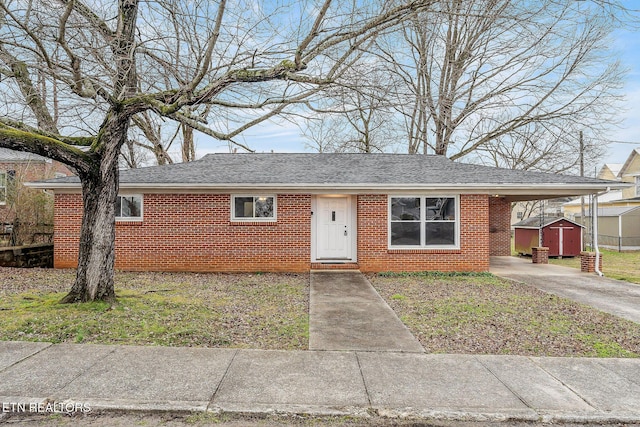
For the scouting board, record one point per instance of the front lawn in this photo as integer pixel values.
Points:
(483, 314)
(448, 313)
(265, 311)
(617, 265)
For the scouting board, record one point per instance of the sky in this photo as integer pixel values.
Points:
(627, 42)
(625, 137)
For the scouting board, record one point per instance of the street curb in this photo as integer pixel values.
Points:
(102, 406)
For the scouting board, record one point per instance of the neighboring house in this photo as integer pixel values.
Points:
(16, 201)
(618, 227)
(295, 212)
(627, 197)
(562, 236)
(630, 172)
(531, 209)
(610, 171)
(611, 199)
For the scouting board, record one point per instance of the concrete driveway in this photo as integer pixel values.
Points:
(609, 295)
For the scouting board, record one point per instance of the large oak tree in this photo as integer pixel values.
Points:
(76, 75)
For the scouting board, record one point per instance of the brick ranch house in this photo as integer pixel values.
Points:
(296, 212)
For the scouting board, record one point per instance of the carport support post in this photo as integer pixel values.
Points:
(540, 255)
(595, 235)
(588, 261)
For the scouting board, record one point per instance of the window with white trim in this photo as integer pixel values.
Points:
(129, 207)
(3, 187)
(253, 208)
(423, 222)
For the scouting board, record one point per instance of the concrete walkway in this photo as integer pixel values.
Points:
(454, 387)
(346, 313)
(609, 295)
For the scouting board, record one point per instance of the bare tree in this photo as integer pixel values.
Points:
(112, 61)
(353, 115)
(478, 77)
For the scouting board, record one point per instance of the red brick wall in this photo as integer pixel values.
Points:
(67, 217)
(374, 254)
(499, 227)
(193, 232)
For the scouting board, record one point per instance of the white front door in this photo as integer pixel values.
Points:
(333, 228)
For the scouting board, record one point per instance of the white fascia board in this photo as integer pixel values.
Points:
(493, 189)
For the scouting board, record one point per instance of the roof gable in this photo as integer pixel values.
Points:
(632, 165)
(610, 171)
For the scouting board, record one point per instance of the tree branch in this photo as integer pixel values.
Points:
(20, 140)
(31, 95)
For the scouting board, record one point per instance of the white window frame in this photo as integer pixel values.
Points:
(254, 218)
(132, 218)
(3, 188)
(423, 221)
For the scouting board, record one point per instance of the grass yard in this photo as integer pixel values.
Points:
(448, 313)
(264, 311)
(483, 314)
(617, 265)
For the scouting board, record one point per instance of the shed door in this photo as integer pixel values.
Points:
(333, 236)
(552, 239)
(571, 241)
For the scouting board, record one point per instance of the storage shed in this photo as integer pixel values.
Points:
(618, 228)
(562, 236)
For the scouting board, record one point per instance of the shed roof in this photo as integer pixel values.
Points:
(534, 222)
(342, 171)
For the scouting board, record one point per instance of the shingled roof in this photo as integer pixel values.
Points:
(12, 156)
(337, 171)
(534, 221)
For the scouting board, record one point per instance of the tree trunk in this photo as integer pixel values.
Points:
(96, 258)
(188, 147)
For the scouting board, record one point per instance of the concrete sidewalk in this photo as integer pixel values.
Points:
(346, 313)
(609, 295)
(456, 387)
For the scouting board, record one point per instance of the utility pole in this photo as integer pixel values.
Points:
(582, 219)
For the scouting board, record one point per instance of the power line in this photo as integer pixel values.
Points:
(624, 142)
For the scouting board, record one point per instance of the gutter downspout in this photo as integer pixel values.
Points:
(594, 217)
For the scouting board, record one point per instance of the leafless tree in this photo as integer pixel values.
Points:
(504, 78)
(112, 61)
(353, 115)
